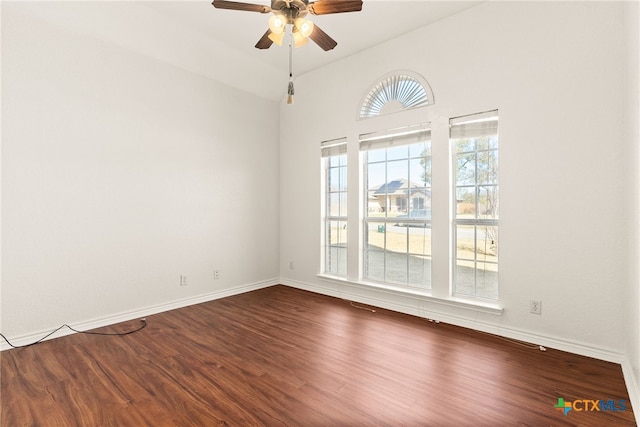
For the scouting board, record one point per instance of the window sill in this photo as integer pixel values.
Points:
(425, 295)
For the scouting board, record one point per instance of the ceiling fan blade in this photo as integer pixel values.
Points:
(234, 5)
(325, 7)
(322, 39)
(264, 42)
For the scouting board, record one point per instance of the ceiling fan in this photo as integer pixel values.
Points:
(293, 12)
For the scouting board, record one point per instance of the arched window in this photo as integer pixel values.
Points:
(396, 92)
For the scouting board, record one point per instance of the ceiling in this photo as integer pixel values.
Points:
(219, 43)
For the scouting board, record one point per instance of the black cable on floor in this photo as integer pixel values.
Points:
(108, 334)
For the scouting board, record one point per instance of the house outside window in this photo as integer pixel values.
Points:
(397, 221)
(474, 141)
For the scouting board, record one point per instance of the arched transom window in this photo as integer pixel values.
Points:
(396, 92)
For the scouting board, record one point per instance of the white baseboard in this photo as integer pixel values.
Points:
(443, 313)
(137, 314)
(632, 388)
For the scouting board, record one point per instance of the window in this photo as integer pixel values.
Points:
(334, 154)
(396, 92)
(474, 141)
(397, 221)
(390, 230)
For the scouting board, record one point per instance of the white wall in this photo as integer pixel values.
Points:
(119, 174)
(632, 321)
(556, 72)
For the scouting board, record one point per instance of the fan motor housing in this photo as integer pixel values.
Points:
(292, 9)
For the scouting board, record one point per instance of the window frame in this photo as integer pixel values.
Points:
(393, 139)
(407, 89)
(477, 126)
(334, 149)
(441, 290)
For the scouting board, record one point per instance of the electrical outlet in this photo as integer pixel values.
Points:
(535, 306)
(183, 280)
(290, 265)
(216, 274)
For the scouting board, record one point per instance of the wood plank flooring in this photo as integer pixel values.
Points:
(285, 357)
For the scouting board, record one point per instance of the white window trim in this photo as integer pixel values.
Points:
(419, 296)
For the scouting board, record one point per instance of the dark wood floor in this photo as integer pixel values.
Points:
(285, 357)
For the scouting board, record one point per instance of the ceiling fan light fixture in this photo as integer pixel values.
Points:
(304, 26)
(277, 24)
(287, 12)
(298, 39)
(276, 38)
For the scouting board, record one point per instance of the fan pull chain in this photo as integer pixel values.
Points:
(290, 89)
